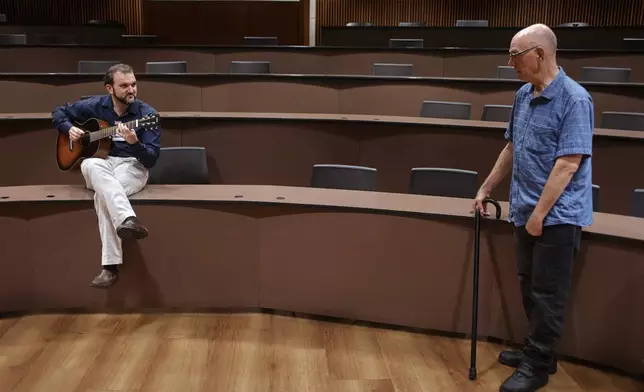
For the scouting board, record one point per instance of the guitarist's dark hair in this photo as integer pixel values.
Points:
(109, 75)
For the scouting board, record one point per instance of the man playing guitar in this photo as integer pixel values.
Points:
(124, 171)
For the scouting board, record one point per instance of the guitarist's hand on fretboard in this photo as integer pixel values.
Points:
(127, 134)
(75, 133)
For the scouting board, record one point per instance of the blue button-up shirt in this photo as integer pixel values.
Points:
(102, 108)
(558, 122)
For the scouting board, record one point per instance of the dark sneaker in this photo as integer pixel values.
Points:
(526, 378)
(513, 359)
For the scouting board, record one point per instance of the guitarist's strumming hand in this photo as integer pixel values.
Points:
(127, 134)
(75, 133)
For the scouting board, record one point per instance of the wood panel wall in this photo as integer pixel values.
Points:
(74, 12)
(499, 13)
(224, 22)
(183, 22)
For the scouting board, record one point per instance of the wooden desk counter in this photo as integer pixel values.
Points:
(281, 149)
(391, 258)
(273, 93)
(598, 37)
(437, 62)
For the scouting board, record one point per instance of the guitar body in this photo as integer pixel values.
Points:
(69, 156)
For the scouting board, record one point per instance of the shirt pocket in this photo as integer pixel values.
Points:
(540, 140)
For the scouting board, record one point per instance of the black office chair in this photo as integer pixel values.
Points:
(3, 18)
(93, 67)
(411, 24)
(406, 43)
(166, 67)
(446, 182)
(349, 177)
(638, 203)
(623, 120)
(261, 41)
(595, 197)
(605, 74)
(393, 69)
(250, 67)
(359, 24)
(574, 24)
(506, 72)
(500, 113)
(13, 39)
(105, 22)
(472, 23)
(180, 165)
(443, 109)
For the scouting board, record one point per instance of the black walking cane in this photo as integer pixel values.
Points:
(475, 288)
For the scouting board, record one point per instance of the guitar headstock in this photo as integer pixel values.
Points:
(151, 121)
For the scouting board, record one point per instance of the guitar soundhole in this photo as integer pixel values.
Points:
(50, 196)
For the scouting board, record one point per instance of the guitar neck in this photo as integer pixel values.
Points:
(111, 131)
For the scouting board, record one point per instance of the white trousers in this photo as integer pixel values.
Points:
(113, 180)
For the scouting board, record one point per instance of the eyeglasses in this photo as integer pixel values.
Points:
(517, 54)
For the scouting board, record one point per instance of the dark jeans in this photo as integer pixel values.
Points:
(545, 272)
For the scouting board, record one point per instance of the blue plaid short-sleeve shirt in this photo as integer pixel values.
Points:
(558, 122)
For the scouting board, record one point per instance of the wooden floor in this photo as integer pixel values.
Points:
(254, 352)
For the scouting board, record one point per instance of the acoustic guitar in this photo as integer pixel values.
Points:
(93, 143)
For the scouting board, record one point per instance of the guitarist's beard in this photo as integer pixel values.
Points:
(124, 99)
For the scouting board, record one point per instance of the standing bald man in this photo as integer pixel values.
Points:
(549, 145)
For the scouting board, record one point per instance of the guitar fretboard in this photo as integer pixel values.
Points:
(111, 131)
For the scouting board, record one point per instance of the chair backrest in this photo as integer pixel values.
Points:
(623, 120)
(446, 182)
(105, 22)
(406, 43)
(165, 67)
(472, 23)
(359, 24)
(86, 66)
(250, 67)
(13, 39)
(443, 109)
(3, 18)
(334, 176)
(605, 74)
(180, 165)
(393, 69)
(574, 24)
(411, 24)
(506, 72)
(500, 113)
(261, 41)
(595, 197)
(638, 203)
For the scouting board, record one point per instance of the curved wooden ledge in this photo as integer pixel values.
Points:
(437, 122)
(304, 77)
(391, 258)
(619, 226)
(307, 48)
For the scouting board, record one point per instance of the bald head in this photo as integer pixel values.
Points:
(533, 55)
(538, 34)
